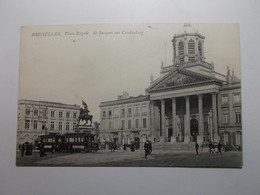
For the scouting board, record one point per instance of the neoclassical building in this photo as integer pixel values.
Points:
(37, 118)
(125, 120)
(189, 102)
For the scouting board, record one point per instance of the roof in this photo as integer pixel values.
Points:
(48, 104)
(139, 98)
(180, 78)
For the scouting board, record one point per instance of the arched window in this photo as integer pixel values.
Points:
(191, 47)
(200, 48)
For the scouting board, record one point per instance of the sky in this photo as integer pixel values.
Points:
(97, 62)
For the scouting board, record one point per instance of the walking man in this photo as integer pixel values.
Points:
(211, 147)
(219, 148)
(147, 149)
(197, 148)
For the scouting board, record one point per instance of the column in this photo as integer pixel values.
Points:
(201, 121)
(152, 122)
(214, 117)
(187, 122)
(162, 138)
(174, 126)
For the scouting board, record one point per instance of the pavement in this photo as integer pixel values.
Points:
(101, 156)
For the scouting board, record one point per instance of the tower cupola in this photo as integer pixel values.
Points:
(188, 46)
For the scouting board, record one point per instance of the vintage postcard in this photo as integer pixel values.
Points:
(130, 95)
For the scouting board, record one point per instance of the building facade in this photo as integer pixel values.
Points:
(37, 118)
(125, 120)
(189, 102)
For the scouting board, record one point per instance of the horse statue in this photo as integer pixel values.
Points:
(84, 116)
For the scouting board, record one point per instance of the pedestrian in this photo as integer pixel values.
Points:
(147, 148)
(132, 147)
(112, 146)
(71, 148)
(219, 148)
(42, 151)
(150, 147)
(197, 148)
(22, 150)
(52, 148)
(31, 148)
(210, 147)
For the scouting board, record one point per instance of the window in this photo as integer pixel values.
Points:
(35, 112)
(44, 112)
(236, 98)
(44, 125)
(144, 123)
(67, 115)
(27, 124)
(224, 100)
(52, 113)
(129, 111)
(225, 118)
(67, 126)
(136, 123)
(123, 111)
(116, 111)
(144, 109)
(238, 118)
(137, 110)
(191, 47)
(52, 125)
(60, 114)
(35, 124)
(104, 113)
(116, 124)
(60, 126)
(27, 111)
(123, 124)
(74, 115)
(109, 113)
(129, 124)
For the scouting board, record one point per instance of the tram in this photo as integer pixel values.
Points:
(69, 142)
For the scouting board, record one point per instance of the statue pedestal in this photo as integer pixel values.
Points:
(83, 129)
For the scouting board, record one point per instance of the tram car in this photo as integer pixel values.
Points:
(70, 142)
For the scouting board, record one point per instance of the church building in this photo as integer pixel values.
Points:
(189, 102)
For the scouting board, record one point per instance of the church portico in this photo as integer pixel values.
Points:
(183, 118)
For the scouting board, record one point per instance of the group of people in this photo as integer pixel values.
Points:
(26, 148)
(211, 148)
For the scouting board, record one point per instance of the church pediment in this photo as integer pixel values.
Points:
(179, 78)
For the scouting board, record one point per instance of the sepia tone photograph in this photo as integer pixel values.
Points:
(130, 95)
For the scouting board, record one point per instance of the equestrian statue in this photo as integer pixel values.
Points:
(83, 114)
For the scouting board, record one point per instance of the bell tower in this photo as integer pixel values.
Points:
(188, 46)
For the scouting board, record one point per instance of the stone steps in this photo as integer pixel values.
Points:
(180, 146)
